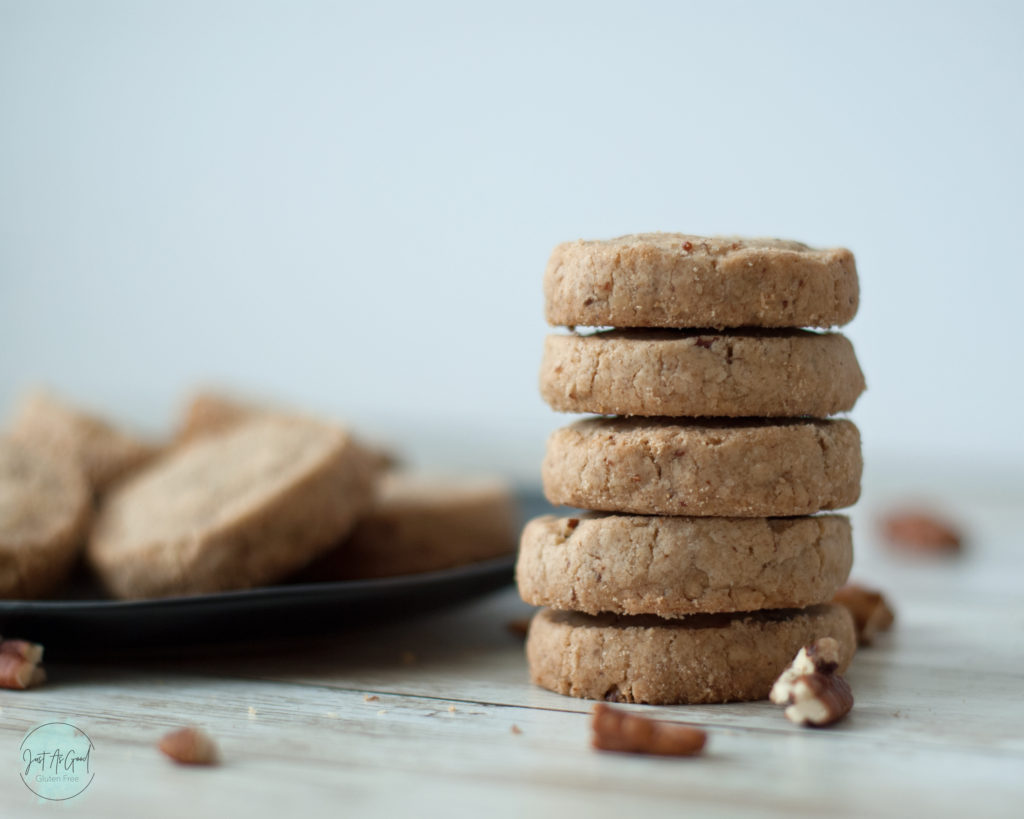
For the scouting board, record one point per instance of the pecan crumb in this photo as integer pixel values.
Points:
(921, 532)
(572, 523)
(518, 628)
(19, 664)
(370, 698)
(704, 342)
(189, 746)
(516, 729)
(618, 730)
(871, 612)
(687, 246)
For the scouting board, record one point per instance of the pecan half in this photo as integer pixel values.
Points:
(618, 730)
(19, 664)
(871, 612)
(189, 746)
(921, 532)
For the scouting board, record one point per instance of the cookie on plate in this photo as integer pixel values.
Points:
(423, 523)
(676, 566)
(767, 373)
(743, 468)
(45, 503)
(698, 659)
(210, 413)
(678, 280)
(104, 452)
(230, 511)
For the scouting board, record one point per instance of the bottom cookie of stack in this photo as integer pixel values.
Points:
(703, 658)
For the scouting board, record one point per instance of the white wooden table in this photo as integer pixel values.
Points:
(437, 717)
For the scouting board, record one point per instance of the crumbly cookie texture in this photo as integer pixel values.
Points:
(691, 374)
(104, 452)
(230, 511)
(699, 659)
(723, 468)
(676, 566)
(45, 504)
(422, 523)
(678, 280)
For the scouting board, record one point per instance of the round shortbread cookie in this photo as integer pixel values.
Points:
(771, 373)
(720, 468)
(703, 658)
(231, 511)
(104, 452)
(45, 503)
(677, 280)
(676, 566)
(422, 523)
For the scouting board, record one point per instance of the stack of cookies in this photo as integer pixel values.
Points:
(703, 567)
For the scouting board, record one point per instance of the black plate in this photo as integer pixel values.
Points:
(70, 628)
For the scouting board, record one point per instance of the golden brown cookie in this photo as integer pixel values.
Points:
(725, 468)
(676, 566)
(767, 373)
(231, 511)
(45, 503)
(104, 452)
(678, 280)
(423, 523)
(702, 658)
(213, 412)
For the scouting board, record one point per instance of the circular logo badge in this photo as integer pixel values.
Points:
(56, 761)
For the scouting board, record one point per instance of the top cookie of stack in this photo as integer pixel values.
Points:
(676, 280)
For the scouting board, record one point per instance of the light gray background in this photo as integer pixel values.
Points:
(350, 208)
